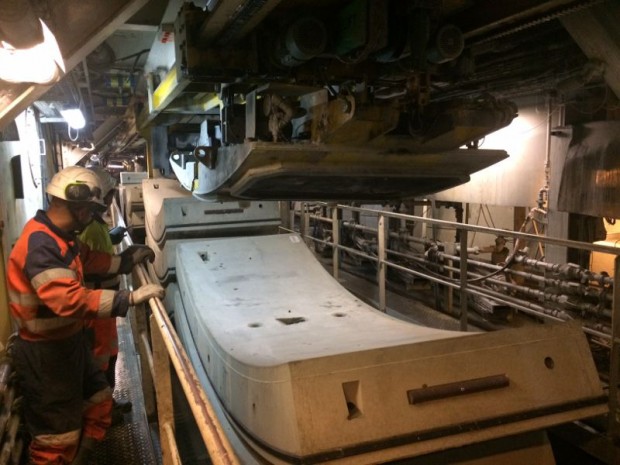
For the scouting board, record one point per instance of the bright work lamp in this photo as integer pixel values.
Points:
(74, 117)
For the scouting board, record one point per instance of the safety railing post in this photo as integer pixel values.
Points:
(284, 208)
(449, 291)
(463, 271)
(613, 429)
(304, 221)
(336, 220)
(381, 257)
(163, 390)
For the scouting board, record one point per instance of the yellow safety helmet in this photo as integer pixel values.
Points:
(77, 184)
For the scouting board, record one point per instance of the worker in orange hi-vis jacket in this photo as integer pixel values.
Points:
(102, 332)
(67, 400)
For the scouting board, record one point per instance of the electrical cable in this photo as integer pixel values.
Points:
(77, 134)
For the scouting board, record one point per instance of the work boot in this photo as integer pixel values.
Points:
(85, 451)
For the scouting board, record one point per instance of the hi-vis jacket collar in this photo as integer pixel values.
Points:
(42, 217)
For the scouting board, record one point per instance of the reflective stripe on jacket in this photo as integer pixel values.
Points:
(45, 275)
(105, 336)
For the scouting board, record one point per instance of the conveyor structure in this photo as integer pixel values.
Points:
(297, 117)
(173, 216)
(132, 204)
(307, 373)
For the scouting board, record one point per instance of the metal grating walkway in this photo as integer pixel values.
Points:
(133, 442)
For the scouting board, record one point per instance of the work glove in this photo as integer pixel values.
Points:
(146, 292)
(117, 234)
(133, 255)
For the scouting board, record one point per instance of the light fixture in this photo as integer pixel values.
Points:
(74, 117)
(40, 64)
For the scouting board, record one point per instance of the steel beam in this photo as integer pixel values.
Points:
(596, 32)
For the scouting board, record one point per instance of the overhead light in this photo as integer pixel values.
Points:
(40, 64)
(74, 117)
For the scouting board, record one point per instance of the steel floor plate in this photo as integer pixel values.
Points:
(131, 442)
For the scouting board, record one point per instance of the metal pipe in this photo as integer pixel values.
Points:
(542, 312)
(602, 279)
(464, 284)
(544, 192)
(423, 275)
(144, 338)
(568, 271)
(527, 307)
(559, 299)
(579, 290)
(524, 306)
(598, 330)
(381, 260)
(172, 444)
(491, 231)
(565, 286)
(336, 240)
(320, 218)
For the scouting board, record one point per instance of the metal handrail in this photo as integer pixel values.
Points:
(484, 229)
(218, 446)
(163, 332)
(466, 288)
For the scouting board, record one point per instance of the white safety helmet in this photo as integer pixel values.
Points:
(77, 184)
(106, 180)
